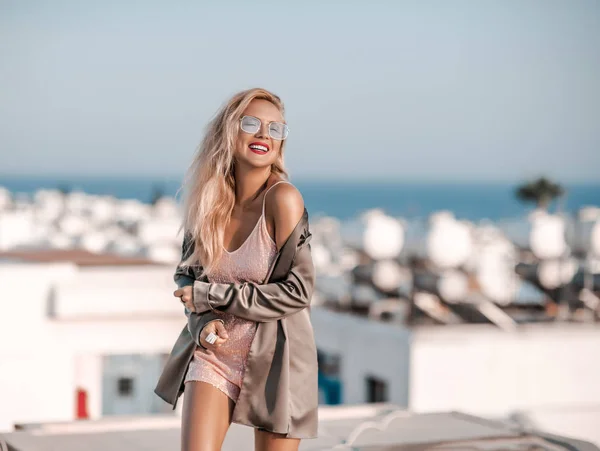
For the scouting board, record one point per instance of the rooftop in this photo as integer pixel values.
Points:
(371, 427)
(79, 257)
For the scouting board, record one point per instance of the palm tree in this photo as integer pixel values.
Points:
(541, 191)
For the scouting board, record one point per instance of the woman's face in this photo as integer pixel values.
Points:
(250, 147)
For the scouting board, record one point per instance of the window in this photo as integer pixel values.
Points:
(125, 386)
(329, 364)
(376, 390)
(330, 384)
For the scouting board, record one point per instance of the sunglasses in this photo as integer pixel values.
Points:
(277, 130)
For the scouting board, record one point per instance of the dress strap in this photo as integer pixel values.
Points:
(265, 195)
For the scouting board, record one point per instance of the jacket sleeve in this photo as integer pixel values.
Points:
(261, 302)
(185, 276)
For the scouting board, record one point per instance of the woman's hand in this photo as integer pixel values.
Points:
(216, 327)
(186, 295)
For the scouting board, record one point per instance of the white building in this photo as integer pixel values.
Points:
(87, 335)
(546, 373)
(82, 335)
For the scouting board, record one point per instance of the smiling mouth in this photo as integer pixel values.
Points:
(258, 148)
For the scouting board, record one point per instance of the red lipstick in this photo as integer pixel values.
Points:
(258, 150)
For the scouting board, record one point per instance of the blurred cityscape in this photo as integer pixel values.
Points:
(497, 319)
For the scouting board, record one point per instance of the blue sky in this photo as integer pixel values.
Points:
(412, 90)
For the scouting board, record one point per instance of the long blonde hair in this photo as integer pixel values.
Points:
(209, 200)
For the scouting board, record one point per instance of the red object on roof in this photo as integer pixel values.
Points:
(81, 410)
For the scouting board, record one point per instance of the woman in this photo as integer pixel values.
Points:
(247, 354)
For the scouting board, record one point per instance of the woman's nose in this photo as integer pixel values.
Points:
(263, 131)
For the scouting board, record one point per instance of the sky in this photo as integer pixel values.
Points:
(444, 90)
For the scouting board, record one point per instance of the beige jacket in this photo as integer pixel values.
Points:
(279, 392)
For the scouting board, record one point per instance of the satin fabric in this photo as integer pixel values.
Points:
(279, 392)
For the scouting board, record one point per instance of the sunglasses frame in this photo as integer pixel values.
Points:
(269, 127)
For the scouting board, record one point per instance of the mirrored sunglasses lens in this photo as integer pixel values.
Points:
(250, 124)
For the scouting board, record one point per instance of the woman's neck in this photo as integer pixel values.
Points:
(249, 185)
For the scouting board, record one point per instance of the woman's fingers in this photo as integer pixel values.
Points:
(203, 336)
(218, 342)
(189, 305)
(216, 327)
(185, 295)
(185, 291)
(220, 330)
(207, 345)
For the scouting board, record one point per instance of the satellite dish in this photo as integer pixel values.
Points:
(547, 236)
(377, 234)
(453, 286)
(449, 242)
(388, 275)
(555, 273)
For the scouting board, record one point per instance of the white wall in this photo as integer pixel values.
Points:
(111, 291)
(486, 371)
(16, 228)
(367, 348)
(36, 387)
(550, 372)
(98, 311)
(36, 371)
(145, 335)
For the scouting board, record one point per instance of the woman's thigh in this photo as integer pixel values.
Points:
(205, 418)
(269, 441)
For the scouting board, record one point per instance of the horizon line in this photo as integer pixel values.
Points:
(304, 178)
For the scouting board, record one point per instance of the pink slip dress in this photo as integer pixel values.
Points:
(224, 367)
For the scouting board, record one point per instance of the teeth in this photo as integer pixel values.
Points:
(258, 147)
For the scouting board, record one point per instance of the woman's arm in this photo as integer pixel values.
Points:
(261, 302)
(270, 301)
(185, 276)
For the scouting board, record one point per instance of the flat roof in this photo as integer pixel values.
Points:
(371, 427)
(79, 257)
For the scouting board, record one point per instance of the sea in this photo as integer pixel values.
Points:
(474, 201)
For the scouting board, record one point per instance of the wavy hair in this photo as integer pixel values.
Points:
(210, 198)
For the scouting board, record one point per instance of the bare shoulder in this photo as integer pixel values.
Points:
(287, 201)
(286, 209)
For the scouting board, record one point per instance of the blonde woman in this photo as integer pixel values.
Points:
(246, 277)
